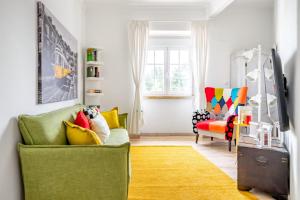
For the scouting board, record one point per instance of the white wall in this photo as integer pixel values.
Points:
(18, 77)
(238, 27)
(106, 27)
(168, 116)
(288, 38)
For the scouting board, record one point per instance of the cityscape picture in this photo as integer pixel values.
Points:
(57, 59)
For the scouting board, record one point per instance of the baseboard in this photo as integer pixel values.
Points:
(134, 136)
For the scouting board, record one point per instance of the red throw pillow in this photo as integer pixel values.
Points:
(82, 120)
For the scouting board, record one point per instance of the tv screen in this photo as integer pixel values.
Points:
(280, 91)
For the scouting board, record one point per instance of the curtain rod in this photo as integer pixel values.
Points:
(187, 21)
(169, 21)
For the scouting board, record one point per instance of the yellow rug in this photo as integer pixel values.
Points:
(178, 173)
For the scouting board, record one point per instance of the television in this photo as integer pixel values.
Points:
(280, 91)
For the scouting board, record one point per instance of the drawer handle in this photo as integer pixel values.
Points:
(262, 160)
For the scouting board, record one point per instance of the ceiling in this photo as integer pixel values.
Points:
(199, 2)
(256, 3)
(170, 2)
(212, 7)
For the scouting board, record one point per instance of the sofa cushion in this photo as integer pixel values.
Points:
(99, 125)
(123, 120)
(217, 126)
(77, 135)
(204, 125)
(82, 120)
(47, 128)
(117, 136)
(112, 118)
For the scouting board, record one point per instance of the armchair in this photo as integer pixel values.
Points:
(216, 121)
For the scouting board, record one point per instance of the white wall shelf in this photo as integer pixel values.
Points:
(93, 67)
(94, 63)
(93, 94)
(94, 78)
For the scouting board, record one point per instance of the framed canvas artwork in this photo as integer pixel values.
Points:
(57, 59)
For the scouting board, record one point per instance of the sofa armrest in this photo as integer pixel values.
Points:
(75, 171)
(198, 117)
(123, 120)
(229, 127)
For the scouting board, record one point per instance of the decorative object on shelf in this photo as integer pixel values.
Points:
(57, 59)
(94, 106)
(254, 126)
(277, 135)
(244, 114)
(94, 56)
(97, 73)
(94, 91)
(265, 135)
(91, 54)
(92, 71)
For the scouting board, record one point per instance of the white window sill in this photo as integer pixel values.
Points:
(168, 96)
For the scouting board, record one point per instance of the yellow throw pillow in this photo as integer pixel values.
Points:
(112, 118)
(80, 136)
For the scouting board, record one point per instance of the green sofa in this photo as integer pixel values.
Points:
(52, 169)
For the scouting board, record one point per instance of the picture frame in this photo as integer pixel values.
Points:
(57, 59)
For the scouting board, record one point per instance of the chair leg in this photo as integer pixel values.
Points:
(229, 145)
(197, 137)
(211, 139)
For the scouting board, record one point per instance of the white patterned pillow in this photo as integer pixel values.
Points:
(100, 127)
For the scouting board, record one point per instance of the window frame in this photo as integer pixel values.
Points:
(167, 93)
(159, 48)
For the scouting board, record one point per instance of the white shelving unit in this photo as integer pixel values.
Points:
(94, 94)
(95, 63)
(94, 78)
(93, 73)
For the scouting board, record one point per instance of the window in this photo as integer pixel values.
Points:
(154, 72)
(168, 72)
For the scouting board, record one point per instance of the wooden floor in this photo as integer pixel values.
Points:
(216, 151)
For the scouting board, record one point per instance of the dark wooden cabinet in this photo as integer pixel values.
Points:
(264, 169)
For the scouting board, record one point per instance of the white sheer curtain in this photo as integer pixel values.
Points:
(138, 32)
(199, 62)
